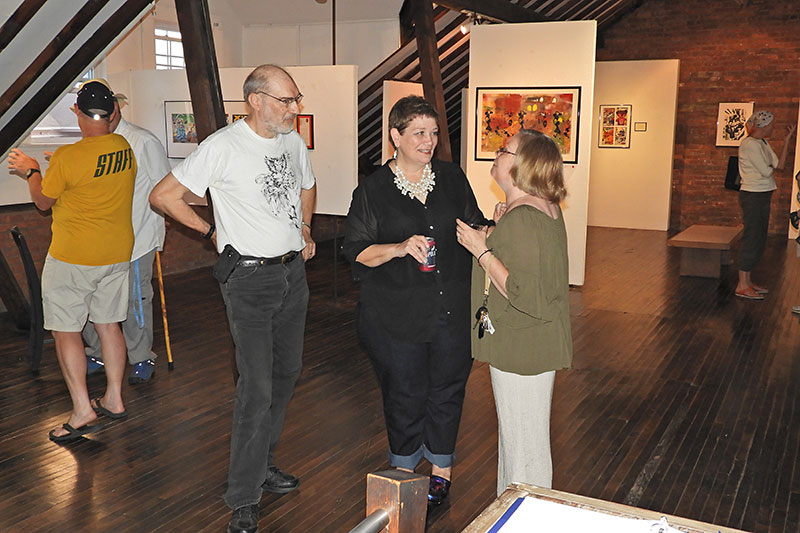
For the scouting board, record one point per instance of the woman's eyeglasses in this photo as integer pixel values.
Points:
(285, 101)
(501, 151)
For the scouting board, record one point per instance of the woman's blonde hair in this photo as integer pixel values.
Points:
(538, 167)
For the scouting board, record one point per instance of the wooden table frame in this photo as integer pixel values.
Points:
(491, 514)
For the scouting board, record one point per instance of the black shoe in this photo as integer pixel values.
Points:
(279, 481)
(244, 520)
(438, 490)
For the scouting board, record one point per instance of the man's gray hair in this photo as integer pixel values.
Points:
(261, 78)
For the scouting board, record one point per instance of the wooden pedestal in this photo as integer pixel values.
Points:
(404, 495)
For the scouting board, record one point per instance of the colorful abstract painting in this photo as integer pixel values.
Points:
(502, 112)
(615, 126)
(182, 128)
(731, 118)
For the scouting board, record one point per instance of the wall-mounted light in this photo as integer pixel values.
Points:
(471, 21)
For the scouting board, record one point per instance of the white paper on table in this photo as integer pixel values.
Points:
(533, 514)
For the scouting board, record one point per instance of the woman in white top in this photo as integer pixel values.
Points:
(757, 162)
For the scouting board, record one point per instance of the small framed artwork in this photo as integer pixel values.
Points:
(305, 127)
(640, 126)
(181, 127)
(731, 118)
(615, 126)
(502, 112)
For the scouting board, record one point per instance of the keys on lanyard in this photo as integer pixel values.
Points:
(483, 322)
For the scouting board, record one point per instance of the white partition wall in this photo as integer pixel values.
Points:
(392, 92)
(630, 187)
(330, 95)
(552, 54)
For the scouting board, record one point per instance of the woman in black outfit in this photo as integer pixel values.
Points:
(415, 323)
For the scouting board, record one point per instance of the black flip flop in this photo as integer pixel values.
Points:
(100, 410)
(73, 434)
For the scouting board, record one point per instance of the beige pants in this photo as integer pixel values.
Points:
(523, 428)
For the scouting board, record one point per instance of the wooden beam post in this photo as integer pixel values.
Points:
(201, 66)
(404, 495)
(428, 49)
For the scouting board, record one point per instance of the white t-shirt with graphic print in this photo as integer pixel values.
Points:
(255, 187)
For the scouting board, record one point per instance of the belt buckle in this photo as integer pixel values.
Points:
(285, 258)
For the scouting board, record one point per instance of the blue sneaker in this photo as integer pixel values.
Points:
(94, 365)
(142, 372)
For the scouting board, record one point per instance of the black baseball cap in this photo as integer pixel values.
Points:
(95, 99)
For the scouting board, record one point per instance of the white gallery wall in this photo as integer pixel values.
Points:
(330, 95)
(551, 54)
(392, 92)
(363, 43)
(631, 187)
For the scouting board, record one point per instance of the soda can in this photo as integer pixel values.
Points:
(430, 261)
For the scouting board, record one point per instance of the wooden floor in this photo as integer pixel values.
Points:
(682, 399)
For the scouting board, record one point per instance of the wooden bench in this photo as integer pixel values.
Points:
(705, 248)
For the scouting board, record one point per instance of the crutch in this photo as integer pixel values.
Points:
(170, 365)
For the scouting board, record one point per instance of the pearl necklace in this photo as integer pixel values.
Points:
(419, 189)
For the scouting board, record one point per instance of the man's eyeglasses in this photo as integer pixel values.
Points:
(501, 151)
(285, 101)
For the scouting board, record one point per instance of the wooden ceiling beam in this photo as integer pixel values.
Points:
(497, 10)
(70, 71)
(18, 20)
(51, 52)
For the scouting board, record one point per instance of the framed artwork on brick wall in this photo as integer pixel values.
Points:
(614, 130)
(731, 117)
(502, 112)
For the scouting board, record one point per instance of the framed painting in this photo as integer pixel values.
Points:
(304, 124)
(731, 117)
(182, 130)
(614, 130)
(502, 112)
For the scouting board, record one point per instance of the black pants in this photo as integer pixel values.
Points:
(266, 307)
(755, 216)
(423, 388)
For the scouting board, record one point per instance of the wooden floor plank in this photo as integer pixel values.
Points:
(682, 399)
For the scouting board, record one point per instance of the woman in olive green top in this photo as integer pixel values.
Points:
(520, 289)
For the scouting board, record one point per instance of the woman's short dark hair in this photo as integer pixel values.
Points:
(407, 109)
(539, 167)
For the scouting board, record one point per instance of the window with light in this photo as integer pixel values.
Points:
(169, 49)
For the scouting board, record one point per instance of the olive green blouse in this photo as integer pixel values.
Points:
(532, 329)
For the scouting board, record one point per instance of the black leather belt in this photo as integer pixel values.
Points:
(248, 261)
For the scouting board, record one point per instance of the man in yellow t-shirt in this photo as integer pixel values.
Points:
(89, 186)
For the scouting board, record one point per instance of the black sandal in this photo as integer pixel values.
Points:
(73, 434)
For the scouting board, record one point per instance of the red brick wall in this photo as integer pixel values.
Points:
(728, 53)
(183, 249)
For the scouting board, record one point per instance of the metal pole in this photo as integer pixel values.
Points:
(374, 523)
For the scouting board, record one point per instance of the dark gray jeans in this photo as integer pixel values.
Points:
(266, 308)
(755, 217)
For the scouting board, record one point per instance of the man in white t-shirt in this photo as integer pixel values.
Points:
(263, 190)
(148, 234)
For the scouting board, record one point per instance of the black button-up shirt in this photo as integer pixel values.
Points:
(407, 301)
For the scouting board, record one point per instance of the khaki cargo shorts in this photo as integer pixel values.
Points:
(71, 294)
